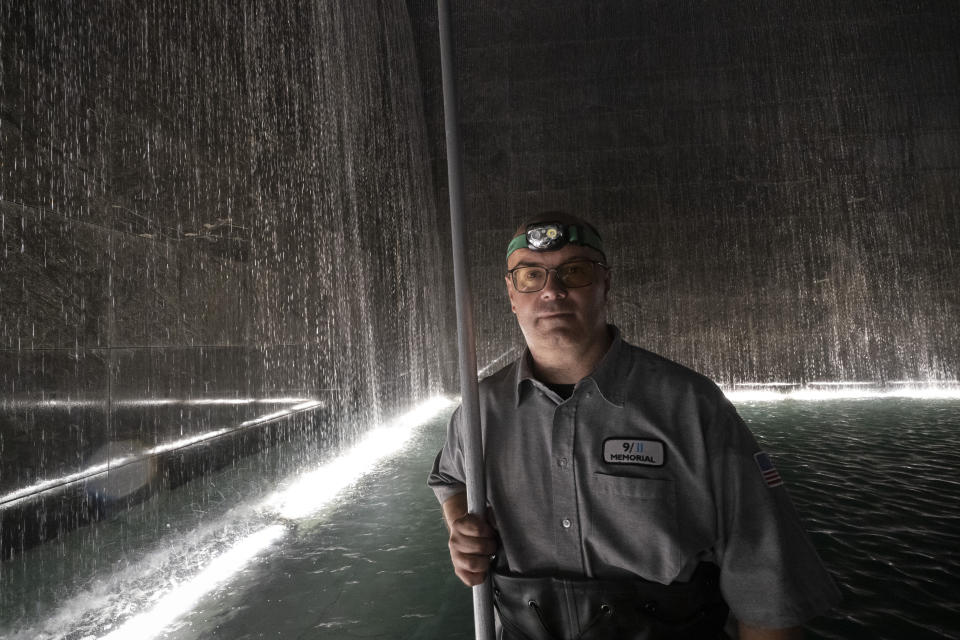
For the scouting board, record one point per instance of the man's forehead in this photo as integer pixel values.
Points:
(550, 258)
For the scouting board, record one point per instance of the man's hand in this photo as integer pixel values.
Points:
(472, 541)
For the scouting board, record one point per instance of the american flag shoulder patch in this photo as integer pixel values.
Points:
(769, 472)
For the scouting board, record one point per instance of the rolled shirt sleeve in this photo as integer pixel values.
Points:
(770, 574)
(447, 476)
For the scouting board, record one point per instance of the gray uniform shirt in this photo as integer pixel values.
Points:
(646, 470)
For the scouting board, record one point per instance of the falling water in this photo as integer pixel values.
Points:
(777, 183)
(217, 229)
(217, 247)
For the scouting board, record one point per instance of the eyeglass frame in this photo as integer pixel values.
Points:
(556, 270)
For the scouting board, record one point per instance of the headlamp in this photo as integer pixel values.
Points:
(546, 237)
(550, 236)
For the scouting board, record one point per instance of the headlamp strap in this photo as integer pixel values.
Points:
(520, 242)
(576, 234)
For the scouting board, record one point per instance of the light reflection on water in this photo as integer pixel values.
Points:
(876, 481)
(138, 592)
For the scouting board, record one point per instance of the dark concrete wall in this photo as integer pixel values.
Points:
(209, 212)
(778, 181)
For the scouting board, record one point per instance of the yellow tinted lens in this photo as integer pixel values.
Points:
(529, 278)
(576, 274)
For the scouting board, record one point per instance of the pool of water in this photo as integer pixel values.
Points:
(877, 482)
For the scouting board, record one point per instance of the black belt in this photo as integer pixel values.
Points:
(585, 609)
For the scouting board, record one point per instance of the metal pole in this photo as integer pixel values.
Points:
(466, 342)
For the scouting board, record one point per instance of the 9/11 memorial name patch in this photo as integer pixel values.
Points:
(769, 472)
(632, 451)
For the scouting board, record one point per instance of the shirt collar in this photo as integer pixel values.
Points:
(611, 374)
(524, 373)
(608, 377)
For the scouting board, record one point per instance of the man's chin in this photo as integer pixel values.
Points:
(559, 332)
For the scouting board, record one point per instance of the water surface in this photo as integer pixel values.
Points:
(877, 482)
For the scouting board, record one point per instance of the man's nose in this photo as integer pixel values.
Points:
(553, 287)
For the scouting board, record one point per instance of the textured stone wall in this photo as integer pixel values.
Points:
(778, 181)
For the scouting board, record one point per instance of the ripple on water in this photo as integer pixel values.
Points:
(878, 485)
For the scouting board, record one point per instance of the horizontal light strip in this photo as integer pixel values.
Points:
(843, 393)
(309, 404)
(9, 499)
(308, 493)
(70, 403)
(766, 384)
(44, 485)
(176, 444)
(496, 363)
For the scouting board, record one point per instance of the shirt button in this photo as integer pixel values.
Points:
(563, 463)
(566, 523)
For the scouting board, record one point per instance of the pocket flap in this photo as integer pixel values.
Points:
(643, 488)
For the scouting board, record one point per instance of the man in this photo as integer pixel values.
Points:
(628, 500)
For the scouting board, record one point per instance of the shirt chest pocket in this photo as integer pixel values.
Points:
(631, 525)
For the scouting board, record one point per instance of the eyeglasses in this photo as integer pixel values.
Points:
(572, 275)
